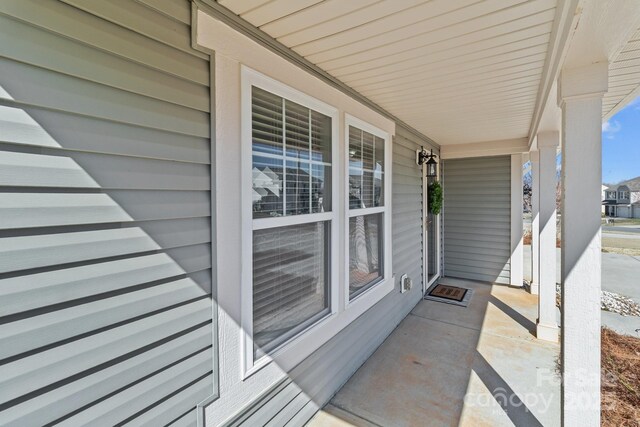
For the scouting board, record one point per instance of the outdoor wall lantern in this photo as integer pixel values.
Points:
(429, 158)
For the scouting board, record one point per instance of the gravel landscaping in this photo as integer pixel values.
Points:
(613, 302)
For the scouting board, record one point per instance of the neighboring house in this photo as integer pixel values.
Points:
(623, 200)
(207, 207)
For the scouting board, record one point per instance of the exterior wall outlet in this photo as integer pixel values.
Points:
(405, 283)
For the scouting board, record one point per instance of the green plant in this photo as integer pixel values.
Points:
(435, 198)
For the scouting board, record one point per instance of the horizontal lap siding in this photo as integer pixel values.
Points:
(312, 383)
(105, 214)
(477, 218)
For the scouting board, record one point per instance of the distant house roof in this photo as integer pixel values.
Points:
(633, 184)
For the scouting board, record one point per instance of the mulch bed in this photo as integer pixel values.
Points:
(620, 380)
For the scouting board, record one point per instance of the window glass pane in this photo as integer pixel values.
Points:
(291, 138)
(355, 188)
(365, 252)
(378, 172)
(366, 169)
(266, 117)
(320, 185)
(320, 137)
(290, 281)
(298, 129)
(298, 188)
(355, 168)
(267, 187)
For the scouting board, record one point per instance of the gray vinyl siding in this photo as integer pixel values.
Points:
(477, 218)
(105, 214)
(310, 385)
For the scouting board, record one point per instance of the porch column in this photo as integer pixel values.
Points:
(517, 252)
(534, 157)
(580, 96)
(547, 327)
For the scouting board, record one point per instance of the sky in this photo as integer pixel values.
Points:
(621, 145)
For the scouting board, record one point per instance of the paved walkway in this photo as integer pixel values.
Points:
(447, 366)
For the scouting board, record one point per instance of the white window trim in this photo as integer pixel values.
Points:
(375, 293)
(342, 313)
(253, 78)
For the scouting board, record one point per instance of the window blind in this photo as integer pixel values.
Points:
(290, 281)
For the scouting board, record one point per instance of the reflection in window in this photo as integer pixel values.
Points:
(291, 147)
(366, 169)
(365, 252)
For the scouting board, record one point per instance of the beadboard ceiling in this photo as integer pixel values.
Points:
(459, 71)
(624, 78)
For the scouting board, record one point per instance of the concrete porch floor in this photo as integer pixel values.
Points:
(446, 365)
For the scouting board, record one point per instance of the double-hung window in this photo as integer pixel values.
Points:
(288, 279)
(316, 221)
(368, 216)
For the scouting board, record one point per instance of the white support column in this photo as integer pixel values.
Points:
(517, 252)
(580, 94)
(547, 327)
(534, 157)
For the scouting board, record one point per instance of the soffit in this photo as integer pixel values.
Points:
(624, 77)
(459, 71)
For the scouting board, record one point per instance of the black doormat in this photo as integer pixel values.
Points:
(449, 294)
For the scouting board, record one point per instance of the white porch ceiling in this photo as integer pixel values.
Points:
(624, 78)
(459, 71)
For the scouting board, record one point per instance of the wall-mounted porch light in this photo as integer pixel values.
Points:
(429, 158)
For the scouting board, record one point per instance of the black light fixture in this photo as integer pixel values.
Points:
(429, 158)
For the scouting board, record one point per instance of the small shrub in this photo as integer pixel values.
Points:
(435, 198)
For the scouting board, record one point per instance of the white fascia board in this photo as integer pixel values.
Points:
(484, 149)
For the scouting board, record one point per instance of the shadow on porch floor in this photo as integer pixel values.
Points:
(446, 365)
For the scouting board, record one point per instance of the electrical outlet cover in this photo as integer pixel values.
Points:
(405, 283)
